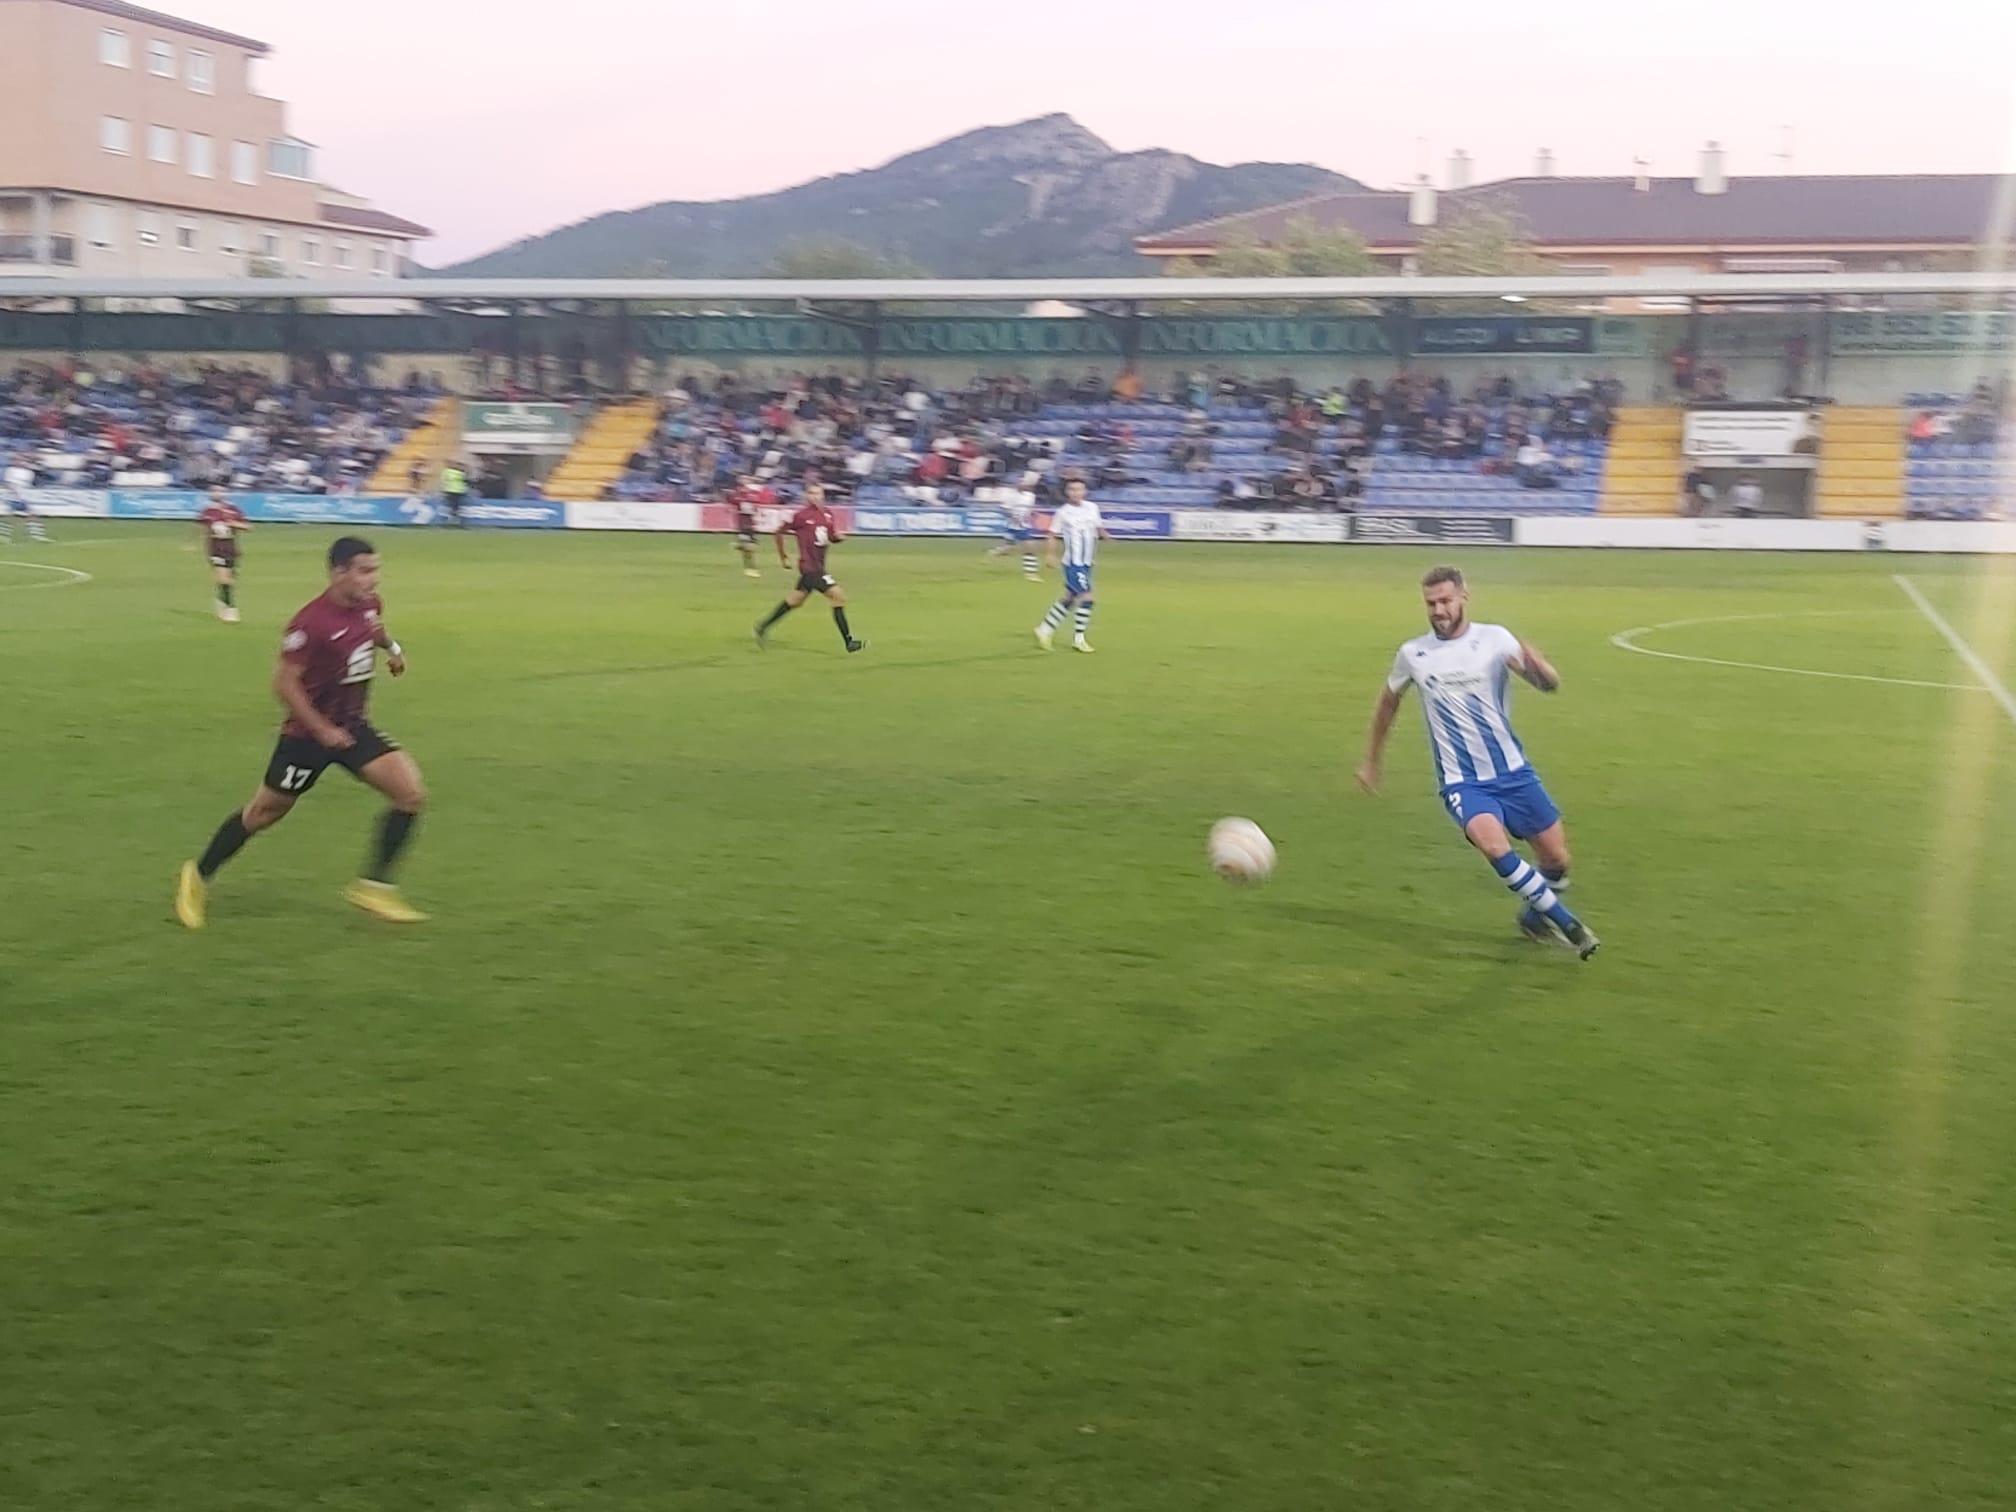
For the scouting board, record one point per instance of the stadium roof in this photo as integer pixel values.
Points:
(366, 218)
(1707, 286)
(1812, 211)
(140, 15)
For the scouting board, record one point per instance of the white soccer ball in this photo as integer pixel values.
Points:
(1240, 851)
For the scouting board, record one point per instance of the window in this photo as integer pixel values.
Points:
(311, 251)
(149, 227)
(161, 59)
(342, 258)
(112, 48)
(161, 144)
(115, 134)
(231, 238)
(380, 263)
(185, 235)
(269, 245)
(287, 158)
(98, 225)
(202, 72)
(202, 155)
(244, 163)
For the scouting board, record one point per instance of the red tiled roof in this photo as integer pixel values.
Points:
(1827, 210)
(372, 220)
(140, 15)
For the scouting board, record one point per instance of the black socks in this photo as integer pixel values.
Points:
(394, 829)
(227, 842)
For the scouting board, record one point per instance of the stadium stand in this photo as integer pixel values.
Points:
(1645, 463)
(1413, 446)
(422, 452)
(76, 428)
(1956, 467)
(1861, 471)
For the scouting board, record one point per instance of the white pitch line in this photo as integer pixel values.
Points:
(71, 576)
(1625, 640)
(1990, 683)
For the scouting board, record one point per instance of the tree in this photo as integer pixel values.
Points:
(836, 257)
(1479, 239)
(1304, 250)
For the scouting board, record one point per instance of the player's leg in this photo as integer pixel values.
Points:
(268, 807)
(1059, 611)
(1081, 621)
(785, 605)
(1550, 854)
(395, 774)
(36, 530)
(1483, 822)
(837, 597)
(227, 590)
(1029, 556)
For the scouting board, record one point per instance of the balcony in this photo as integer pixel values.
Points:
(20, 247)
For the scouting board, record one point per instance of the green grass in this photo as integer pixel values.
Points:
(837, 1083)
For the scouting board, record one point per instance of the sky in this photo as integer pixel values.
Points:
(491, 121)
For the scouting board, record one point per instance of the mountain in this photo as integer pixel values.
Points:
(1040, 197)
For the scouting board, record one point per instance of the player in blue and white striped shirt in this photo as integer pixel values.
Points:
(1018, 511)
(1464, 672)
(1077, 529)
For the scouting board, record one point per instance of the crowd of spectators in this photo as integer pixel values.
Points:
(1970, 420)
(73, 426)
(949, 446)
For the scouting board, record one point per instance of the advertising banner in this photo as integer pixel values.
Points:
(1237, 525)
(158, 504)
(1901, 333)
(70, 503)
(517, 427)
(620, 514)
(1409, 530)
(1455, 335)
(510, 514)
(316, 509)
(1750, 433)
(1120, 522)
(1695, 535)
(873, 519)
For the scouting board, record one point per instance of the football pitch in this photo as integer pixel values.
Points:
(838, 1083)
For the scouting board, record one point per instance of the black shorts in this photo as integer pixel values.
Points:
(745, 538)
(224, 559)
(299, 760)
(455, 501)
(816, 582)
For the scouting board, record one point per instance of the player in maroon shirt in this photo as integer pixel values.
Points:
(816, 528)
(745, 498)
(222, 522)
(323, 680)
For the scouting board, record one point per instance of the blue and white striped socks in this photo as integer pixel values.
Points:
(1029, 563)
(1059, 612)
(1082, 618)
(1531, 887)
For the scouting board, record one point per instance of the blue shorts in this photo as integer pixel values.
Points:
(1518, 801)
(1077, 580)
(1021, 532)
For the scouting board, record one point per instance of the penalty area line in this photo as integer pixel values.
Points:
(71, 576)
(1992, 685)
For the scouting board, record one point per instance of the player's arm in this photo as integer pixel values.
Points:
(293, 696)
(395, 654)
(1383, 714)
(783, 529)
(1535, 668)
